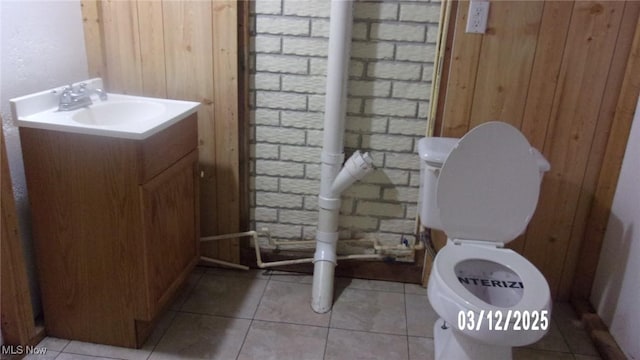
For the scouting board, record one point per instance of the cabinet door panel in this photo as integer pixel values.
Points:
(169, 212)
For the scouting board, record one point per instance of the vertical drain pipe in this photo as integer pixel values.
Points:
(333, 180)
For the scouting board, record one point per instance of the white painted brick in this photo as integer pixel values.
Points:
(278, 200)
(264, 183)
(281, 100)
(420, 12)
(304, 83)
(407, 127)
(362, 191)
(265, 151)
(266, 81)
(282, 25)
(423, 110)
(377, 208)
(316, 102)
(354, 105)
(387, 142)
(387, 177)
(402, 161)
(418, 53)
(320, 27)
(417, 91)
(309, 232)
(369, 88)
(359, 31)
(314, 137)
(415, 179)
(267, 44)
(301, 217)
(394, 71)
(397, 225)
(317, 66)
(311, 202)
(372, 50)
(352, 140)
(279, 135)
(388, 239)
(300, 153)
(279, 168)
(312, 171)
(411, 211)
(281, 231)
(265, 214)
(432, 34)
(375, 11)
(404, 194)
(427, 72)
(268, 6)
(313, 8)
(395, 107)
(265, 117)
(365, 223)
(346, 206)
(366, 124)
(302, 119)
(305, 46)
(398, 32)
(356, 68)
(281, 63)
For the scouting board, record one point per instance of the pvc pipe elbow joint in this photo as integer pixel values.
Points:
(356, 167)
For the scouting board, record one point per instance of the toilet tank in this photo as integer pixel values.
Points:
(433, 152)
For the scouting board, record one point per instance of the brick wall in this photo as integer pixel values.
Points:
(392, 54)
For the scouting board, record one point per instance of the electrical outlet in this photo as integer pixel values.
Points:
(477, 16)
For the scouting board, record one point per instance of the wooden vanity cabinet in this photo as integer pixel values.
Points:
(115, 228)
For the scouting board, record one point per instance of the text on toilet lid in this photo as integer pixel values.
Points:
(491, 283)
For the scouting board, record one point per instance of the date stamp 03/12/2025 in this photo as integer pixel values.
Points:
(498, 320)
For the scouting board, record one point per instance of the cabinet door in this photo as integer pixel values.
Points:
(170, 231)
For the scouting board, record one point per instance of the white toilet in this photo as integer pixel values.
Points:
(482, 191)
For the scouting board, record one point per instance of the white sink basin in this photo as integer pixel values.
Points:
(123, 116)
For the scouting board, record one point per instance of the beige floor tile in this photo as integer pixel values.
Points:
(421, 348)
(365, 310)
(161, 327)
(291, 303)
(349, 345)
(415, 289)
(107, 351)
(66, 356)
(190, 284)
(360, 284)
(573, 330)
(53, 344)
(279, 341)
(251, 273)
(552, 341)
(225, 296)
(532, 354)
(193, 336)
(287, 276)
(47, 355)
(420, 316)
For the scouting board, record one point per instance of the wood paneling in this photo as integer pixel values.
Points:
(554, 70)
(15, 300)
(182, 50)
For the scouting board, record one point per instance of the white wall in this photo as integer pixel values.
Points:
(616, 289)
(42, 46)
(392, 54)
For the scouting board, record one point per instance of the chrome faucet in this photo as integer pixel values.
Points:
(74, 98)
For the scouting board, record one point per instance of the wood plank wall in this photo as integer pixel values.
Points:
(553, 69)
(181, 50)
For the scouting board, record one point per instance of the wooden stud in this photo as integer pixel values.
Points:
(94, 37)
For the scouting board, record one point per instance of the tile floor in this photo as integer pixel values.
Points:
(224, 314)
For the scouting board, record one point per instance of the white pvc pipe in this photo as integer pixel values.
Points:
(332, 154)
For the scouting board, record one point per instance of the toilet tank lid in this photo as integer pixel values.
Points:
(435, 150)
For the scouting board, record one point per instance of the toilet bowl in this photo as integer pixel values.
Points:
(482, 191)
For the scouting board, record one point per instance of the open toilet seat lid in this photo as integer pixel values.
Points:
(489, 185)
